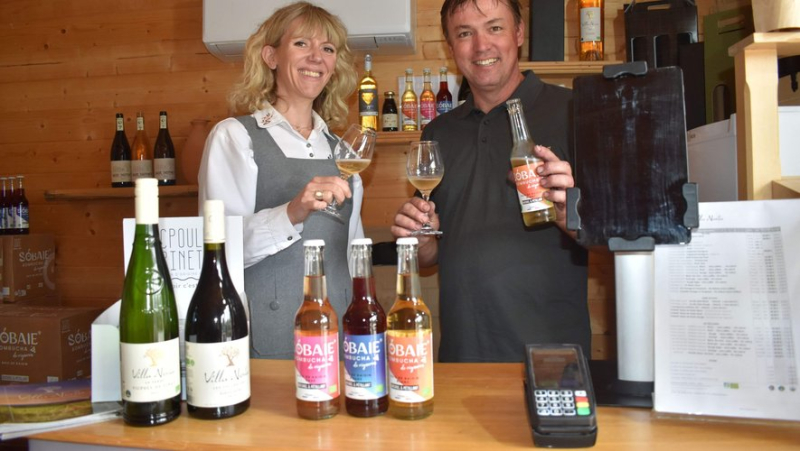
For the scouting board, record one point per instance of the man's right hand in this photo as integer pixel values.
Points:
(409, 218)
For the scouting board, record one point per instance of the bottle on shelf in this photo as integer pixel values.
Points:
(427, 100)
(141, 158)
(164, 153)
(409, 341)
(463, 90)
(364, 347)
(591, 19)
(535, 208)
(408, 103)
(150, 364)
(368, 97)
(11, 202)
(3, 208)
(20, 207)
(120, 157)
(444, 99)
(217, 340)
(389, 118)
(316, 342)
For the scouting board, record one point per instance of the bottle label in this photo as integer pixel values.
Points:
(368, 102)
(218, 374)
(443, 106)
(365, 366)
(120, 171)
(389, 121)
(150, 371)
(409, 114)
(529, 189)
(20, 217)
(141, 169)
(427, 111)
(316, 360)
(590, 24)
(164, 168)
(410, 366)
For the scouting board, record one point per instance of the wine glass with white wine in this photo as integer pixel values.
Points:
(353, 154)
(425, 170)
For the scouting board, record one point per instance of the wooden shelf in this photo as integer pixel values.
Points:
(565, 67)
(786, 188)
(398, 137)
(785, 43)
(116, 193)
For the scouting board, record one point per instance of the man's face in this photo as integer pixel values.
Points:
(485, 44)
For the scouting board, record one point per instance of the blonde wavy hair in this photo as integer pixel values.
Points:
(258, 80)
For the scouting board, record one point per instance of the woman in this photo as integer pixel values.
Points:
(274, 166)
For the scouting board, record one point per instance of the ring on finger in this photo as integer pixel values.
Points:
(319, 195)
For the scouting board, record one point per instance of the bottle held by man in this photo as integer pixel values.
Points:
(316, 342)
(150, 364)
(217, 339)
(409, 341)
(535, 208)
(364, 347)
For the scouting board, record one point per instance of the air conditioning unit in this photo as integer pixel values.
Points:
(376, 26)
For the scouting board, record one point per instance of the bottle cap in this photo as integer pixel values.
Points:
(443, 69)
(409, 240)
(313, 243)
(388, 93)
(362, 241)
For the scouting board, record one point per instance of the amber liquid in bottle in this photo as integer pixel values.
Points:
(427, 100)
(368, 97)
(409, 104)
(591, 18)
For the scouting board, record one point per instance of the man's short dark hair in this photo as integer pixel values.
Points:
(450, 6)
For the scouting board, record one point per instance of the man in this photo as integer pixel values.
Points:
(501, 285)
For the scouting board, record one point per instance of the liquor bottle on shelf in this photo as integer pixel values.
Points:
(408, 103)
(150, 364)
(120, 157)
(389, 116)
(164, 153)
(591, 19)
(364, 325)
(141, 158)
(409, 341)
(535, 208)
(463, 90)
(316, 342)
(444, 99)
(20, 208)
(217, 340)
(427, 100)
(368, 97)
(3, 208)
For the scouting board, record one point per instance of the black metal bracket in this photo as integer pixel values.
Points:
(637, 68)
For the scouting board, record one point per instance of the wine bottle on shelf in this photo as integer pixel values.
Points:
(444, 99)
(368, 97)
(120, 157)
(141, 158)
(217, 340)
(316, 342)
(150, 364)
(21, 224)
(389, 118)
(409, 341)
(164, 154)
(408, 103)
(591, 19)
(535, 208)
(427, 100)
(364, 325)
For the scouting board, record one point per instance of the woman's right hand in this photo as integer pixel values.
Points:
(308, 199)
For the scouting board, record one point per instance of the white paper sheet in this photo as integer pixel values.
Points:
(727, 309)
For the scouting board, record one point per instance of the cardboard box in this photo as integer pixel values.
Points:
(45, 344)
(27, 267)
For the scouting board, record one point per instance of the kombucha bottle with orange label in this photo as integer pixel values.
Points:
(535, 208)
(409, 341)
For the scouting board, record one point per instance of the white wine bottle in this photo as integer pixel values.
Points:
(148, 323)
(217, 341)
(164, 154)
(120, 157)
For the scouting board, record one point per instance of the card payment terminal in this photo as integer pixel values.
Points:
(559, 396)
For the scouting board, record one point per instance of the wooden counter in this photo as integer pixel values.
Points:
(478, 407)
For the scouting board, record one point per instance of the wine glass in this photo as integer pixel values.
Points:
(353, 154)
(425, 170)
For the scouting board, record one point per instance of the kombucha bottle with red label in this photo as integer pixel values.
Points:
(535, 208)
(409, 341)
(316, 342)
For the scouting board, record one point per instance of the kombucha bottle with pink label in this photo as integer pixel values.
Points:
(316, 342)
